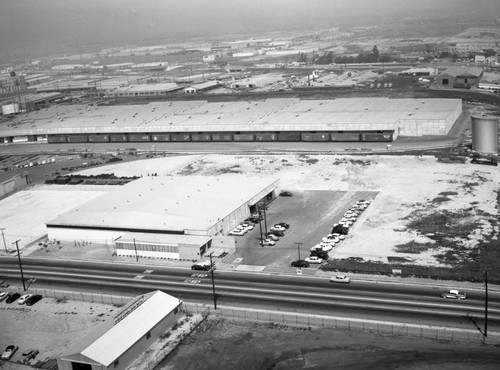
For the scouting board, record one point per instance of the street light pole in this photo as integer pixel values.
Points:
(486, 304)
(212, 268)
(3, 237)
(298, 247)
(20, 264)
(135, 248)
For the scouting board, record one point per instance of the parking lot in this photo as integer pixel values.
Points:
(310, 214)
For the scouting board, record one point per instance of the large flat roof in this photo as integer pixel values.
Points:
(166, 204)
(288, 114)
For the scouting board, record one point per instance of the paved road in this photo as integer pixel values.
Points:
(366, 299)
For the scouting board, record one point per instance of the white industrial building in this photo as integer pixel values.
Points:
(119, 341)
(166, 217)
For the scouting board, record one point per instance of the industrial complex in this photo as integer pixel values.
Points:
(286, 119)
(166, 217)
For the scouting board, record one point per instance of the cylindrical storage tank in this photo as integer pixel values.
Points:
(485, 133)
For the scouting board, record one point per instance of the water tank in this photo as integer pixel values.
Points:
(485, 133)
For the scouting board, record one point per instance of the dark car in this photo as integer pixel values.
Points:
(286, 194)
(28, 355)
(319, 253)
(300, 263)
(205, 266)
(339, 229)
(277, 232)
(12, 297)
(284, 224)
(33, 299)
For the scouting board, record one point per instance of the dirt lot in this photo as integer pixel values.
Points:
(229, 344)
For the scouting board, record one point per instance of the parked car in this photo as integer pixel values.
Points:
(340, 279)
(272, 237)
(454, 294)
(9, 352)
(486, 161)
(278, 227)
(33, 299)
(205, 266)
(320, 253)
(12, 297)
(238, 232)
(277, 232)
(300, 263)
(28, 355)
(3, 295)
(314, 259)
(286, 194)
(284, 224)
(247, 226)
(268, 242)
(23, 298)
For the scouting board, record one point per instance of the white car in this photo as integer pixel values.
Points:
(314, 259)
(316, 247)
(454, 294)
(273, 237)
(268, 242)
(23, 298)
(238, 232)
(340, 279)
(327, 248)
(3, 295)
(247, 226)
(278, 227)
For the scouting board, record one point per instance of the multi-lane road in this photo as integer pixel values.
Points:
(371, 299)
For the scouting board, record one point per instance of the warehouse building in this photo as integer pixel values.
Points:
(166, 217)
(120, 340)
(288, 119)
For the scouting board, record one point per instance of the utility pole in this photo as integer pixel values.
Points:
(135, 248)
(20, 265)
(260, 228)
(298, 247)
(3, 237)
(212, 268)
(486, 304)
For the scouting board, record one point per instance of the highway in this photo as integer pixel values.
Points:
(420, 304)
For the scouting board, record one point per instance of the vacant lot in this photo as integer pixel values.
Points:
(230, 344)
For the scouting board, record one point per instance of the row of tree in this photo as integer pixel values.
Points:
(328, 58)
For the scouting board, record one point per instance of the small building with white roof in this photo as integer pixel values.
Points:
(120, 340)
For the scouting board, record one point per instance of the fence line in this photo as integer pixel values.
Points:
(291, 318)
(345, 323)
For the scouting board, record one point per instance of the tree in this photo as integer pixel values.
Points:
(302, 58)
(375, 53)
(489, 53)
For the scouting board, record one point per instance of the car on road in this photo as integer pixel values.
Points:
(268, 242)
(284, 224)
(454, 294)
(314, 259)
(340, 279)
(205, 266)
(3, 295)
(12, 297)
(33, 299)
(9, 352)
(300, 263)
(3, 284)
(286, 194)
(23, 298)
(247, 226)
(238, 232)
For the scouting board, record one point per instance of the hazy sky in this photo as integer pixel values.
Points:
(40, 25)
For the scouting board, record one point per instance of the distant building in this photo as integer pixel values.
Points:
(115, 344)
(145, 90)
(205, 86)
(460, 77)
